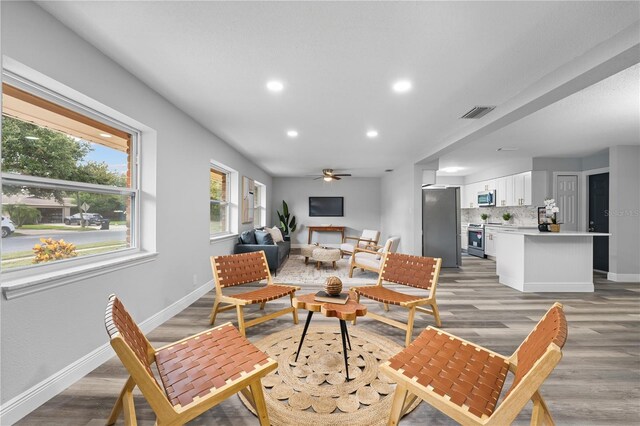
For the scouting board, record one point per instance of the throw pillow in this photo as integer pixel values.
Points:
(276, 234)
(248, 237)
(264, 238)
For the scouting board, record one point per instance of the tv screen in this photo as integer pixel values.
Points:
(326, 206)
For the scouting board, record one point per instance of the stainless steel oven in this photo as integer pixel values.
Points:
(476, 240)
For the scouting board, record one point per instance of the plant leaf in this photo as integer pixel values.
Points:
(285, 209)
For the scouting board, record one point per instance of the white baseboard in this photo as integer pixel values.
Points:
(559, 287)
(623, 278)
(21, 405)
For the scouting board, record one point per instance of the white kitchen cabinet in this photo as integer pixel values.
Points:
(519, 184)
(490, 238)
(505, 191)
(464, 238)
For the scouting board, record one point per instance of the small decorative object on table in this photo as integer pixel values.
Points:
(484, 217)
(551, 211)
(333, 286)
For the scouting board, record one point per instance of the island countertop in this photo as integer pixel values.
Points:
(536, 233)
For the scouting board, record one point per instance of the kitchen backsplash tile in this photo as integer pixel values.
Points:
(522, 215)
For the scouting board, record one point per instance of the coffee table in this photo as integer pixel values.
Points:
(347, 312)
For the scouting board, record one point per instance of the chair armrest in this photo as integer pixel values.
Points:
(365, 250)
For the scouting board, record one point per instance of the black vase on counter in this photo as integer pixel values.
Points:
(543, 227)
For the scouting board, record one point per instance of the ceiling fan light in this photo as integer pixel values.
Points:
(327, 178)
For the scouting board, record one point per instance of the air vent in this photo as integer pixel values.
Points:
(478, 111)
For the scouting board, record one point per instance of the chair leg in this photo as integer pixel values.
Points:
(214, 311)
(436, 314)
(295, 311)
(397, 405)
(412, 314)
(386, 307)
(117, 408)
(261, 405)
(262, 305)
(540, 414)
(351, 271)
(241, 320)
(129, 409)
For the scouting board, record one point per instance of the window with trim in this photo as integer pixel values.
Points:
(69, 186)
(260, 205)
(219, 201)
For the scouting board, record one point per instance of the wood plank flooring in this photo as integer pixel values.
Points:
(596, 383)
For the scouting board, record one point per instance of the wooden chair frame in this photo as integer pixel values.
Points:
(357, 241)
(372, 249)
(413, 306)
(166, 413)
(407, 391)
(239, 304)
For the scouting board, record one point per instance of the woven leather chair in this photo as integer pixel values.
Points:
(413, 271)
(237, 269)
(370, 258)
(190, 382)
(464, 380)
(368, 238)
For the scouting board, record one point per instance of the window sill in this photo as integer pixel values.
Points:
(22, 286)
(219, 238)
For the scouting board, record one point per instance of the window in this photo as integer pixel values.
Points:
(260, 205)
(219, 201)
(68, 180)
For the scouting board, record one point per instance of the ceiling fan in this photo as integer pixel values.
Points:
(328, 175)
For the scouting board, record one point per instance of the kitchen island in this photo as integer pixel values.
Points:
(533, 261)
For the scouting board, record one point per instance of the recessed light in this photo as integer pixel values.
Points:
(32, 138)
(451, 169)
(292, 133)
(105, 135)
(275, 86)
(507, 148)
(402, 86)
(372, 133)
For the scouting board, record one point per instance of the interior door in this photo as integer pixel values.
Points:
(567, 200)
(598, 219)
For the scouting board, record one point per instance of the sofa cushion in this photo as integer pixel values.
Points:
(264, 237)
(249, 237)
(276, 234)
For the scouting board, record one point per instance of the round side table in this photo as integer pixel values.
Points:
(326, 255)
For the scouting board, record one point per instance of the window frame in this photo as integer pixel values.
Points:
(260, 207)
(227, 204)
(24, 276)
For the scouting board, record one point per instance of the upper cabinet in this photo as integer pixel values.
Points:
(522, 189)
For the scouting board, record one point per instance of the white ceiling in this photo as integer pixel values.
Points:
(602, 115)
(338, 61)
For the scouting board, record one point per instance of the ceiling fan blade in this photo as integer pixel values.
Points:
(343, 174)
(335, 177)
(319, 177)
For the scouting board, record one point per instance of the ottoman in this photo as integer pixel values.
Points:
(326, 255)
(307, 252)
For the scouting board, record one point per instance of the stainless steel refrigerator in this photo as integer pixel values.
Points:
(441, 225)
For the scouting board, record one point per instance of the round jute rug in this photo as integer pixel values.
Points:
(314, 390)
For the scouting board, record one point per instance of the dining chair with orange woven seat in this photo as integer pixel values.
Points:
(196, 373)
(412, 271)
(237, 269)
(465, 381)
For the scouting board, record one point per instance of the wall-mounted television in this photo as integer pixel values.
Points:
(326, 206)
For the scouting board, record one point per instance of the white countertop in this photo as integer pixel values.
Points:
(536, 233)
(501, 226)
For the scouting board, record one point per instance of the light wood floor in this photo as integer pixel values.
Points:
(597, 381)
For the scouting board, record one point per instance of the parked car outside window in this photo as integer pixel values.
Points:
(8, 227)
(89, 219)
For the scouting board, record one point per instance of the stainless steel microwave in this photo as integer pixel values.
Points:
(487, 198)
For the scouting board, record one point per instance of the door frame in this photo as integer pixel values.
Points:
(584, 216)
(582, 221)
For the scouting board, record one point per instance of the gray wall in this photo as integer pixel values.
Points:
(44, 332)
(624, 208)
(361, 205)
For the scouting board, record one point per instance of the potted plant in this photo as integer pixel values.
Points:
(287, 222)
(484, 217)
(552, 210)
(506, 217)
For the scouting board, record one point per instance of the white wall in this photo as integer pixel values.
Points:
(361, 205)
(401, 207)
(44, 332)
(624, 217)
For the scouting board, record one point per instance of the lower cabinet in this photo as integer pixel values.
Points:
(490, 238)
(464, 238)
